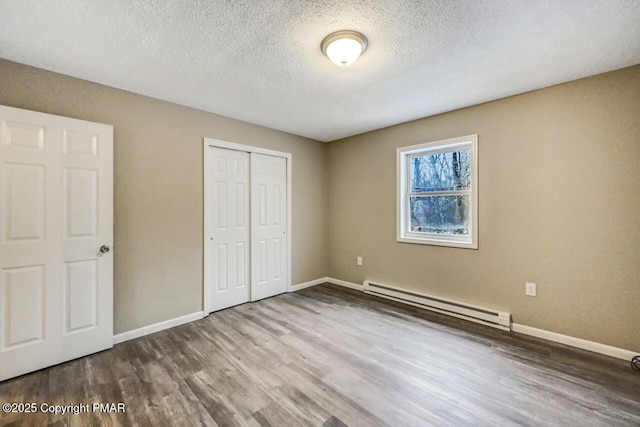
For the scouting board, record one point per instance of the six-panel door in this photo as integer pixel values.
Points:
(229, 239)
(56, 212)
(268, 226)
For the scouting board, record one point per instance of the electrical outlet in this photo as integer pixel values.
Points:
(359, 260)
(530, 289)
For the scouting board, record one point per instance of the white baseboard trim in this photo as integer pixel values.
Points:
(305, 285)
(574, 342)
(346, 284)
(157, 327)
(322, 280)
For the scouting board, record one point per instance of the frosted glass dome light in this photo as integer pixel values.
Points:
(344, 47)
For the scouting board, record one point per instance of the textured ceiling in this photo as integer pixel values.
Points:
(260, 60)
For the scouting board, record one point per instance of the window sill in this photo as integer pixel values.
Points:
(438, 242)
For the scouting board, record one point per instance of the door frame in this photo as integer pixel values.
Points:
(209, 205)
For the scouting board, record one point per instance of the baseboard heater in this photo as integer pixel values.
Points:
(485, 316)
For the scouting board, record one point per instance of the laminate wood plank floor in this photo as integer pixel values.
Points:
(330, 356)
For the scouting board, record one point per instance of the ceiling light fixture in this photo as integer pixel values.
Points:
(344, 47)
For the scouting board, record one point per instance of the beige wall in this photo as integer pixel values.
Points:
(559, 206)
(559, 180)
(159, 188)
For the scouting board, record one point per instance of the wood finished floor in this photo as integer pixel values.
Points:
(329, 356)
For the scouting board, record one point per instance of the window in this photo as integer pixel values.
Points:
(438, 193)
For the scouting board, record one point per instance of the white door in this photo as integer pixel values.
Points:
(56, 212)
(228, 252)
(268, 226)
(247, 205)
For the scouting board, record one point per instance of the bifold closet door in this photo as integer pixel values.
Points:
(56, 229)
(268, 226)
(229, 254)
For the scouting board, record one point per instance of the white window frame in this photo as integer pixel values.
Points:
(404, 233)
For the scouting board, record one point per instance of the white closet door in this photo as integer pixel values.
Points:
(229, 229)
(268, 226)
(56, 213)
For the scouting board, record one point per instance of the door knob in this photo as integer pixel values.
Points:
(104, 249)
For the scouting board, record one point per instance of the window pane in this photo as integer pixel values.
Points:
(445, 215)
(441, 172)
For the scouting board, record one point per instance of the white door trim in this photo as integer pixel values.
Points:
(208, 171)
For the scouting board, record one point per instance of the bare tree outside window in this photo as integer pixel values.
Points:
(434, 205)
(437, 193)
